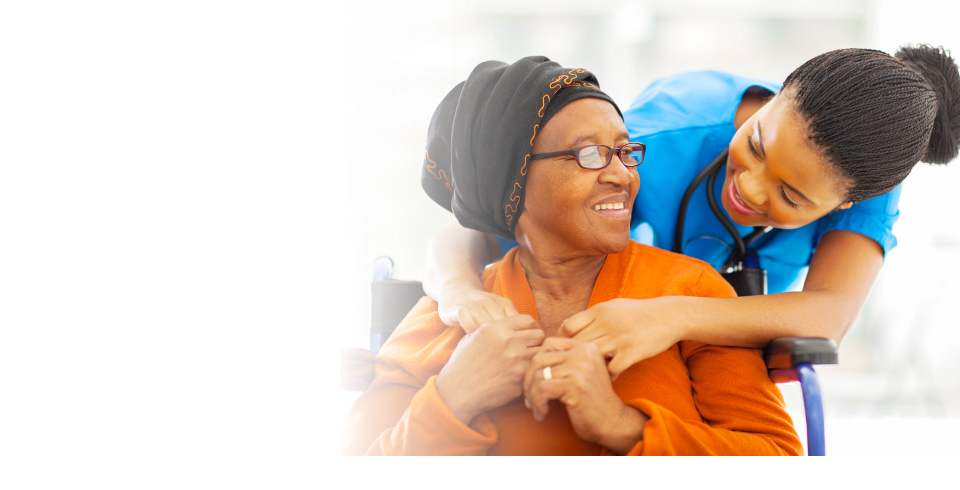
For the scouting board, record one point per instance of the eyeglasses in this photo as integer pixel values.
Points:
(596, 157)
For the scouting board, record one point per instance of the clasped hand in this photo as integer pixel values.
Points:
(627, 331)
(504, 359)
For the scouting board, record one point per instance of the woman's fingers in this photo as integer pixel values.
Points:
(531, 338)
(536, 399)
(559, 344)
(548, 389)
(489, 308)
(617, 366)
(608, 347)
(464, 320)
(480, 316)
(522, 322)
(509, 309)
(451, 316)
(532, 396)
(496, 307)
(470, 309)
(553, 356)
(540, 361)
(574, 326)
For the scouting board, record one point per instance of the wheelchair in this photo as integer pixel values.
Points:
(788, 359)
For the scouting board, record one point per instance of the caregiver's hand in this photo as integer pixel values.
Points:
(486, 369)
(627, 330)
(580, 381)
(468, 308)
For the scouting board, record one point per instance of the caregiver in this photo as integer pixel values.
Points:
(818, 162)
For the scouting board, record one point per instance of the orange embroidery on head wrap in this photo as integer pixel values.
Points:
(562, 81)
(566, 78)
(508, 211)
(513, 195)
(441, 174)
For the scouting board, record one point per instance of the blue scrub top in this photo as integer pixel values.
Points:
(686, 120)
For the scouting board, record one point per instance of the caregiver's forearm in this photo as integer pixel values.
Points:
(753, 321)
(842, 271)
(455, 256)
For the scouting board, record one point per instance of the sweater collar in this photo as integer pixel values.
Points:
(512, 282)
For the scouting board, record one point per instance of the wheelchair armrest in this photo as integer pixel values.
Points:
(356, 369)
(789, 352)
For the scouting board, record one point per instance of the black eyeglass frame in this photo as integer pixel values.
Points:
(576, 154)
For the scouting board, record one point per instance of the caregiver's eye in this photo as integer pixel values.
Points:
(785, 198)
(752, 148)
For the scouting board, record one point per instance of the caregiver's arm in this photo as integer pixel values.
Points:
(842, 270)
(455, 256)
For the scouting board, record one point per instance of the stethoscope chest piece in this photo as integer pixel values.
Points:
(747, 281)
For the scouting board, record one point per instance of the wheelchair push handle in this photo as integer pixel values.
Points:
(382, 268)
(790, 352)
(792, 359)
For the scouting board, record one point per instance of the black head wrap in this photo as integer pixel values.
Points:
(481, 137)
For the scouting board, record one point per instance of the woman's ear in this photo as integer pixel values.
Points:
(845, 205)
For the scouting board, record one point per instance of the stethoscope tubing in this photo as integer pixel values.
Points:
(682, 216)
(741, 249)
(710, 173)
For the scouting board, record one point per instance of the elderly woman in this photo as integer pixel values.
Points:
(538, 153)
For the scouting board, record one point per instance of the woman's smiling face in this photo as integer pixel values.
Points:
(588, 211)
(775, 176)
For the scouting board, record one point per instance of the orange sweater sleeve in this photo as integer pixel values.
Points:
(742, 408)
(401, 413)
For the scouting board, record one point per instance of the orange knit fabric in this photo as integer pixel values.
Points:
(701, 399)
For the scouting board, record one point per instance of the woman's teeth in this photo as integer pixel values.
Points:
(614, 205)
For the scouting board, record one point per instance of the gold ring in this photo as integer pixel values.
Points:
(547, 373)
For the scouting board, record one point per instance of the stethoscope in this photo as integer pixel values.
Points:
(742, 268)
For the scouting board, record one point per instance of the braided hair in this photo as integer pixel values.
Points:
(875, 116)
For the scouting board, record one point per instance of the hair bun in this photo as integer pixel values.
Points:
(940, 71)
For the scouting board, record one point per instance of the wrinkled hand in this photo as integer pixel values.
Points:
(486, 369)
(580, 381)
(627, 330)
(469, 308)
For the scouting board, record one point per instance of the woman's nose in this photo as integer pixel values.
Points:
(750, 189)
(618, 173)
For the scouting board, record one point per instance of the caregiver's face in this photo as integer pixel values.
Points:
(775, 176)
(586, 210)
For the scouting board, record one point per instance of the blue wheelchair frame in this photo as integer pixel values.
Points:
(788, 359)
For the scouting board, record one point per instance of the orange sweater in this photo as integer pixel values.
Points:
(701, 399)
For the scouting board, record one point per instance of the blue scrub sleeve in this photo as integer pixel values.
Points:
(505, 245)
(872, 218)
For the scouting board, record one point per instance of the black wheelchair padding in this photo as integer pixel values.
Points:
(392, 300)
(788, 352)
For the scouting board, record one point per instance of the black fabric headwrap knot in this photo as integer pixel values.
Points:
(481, 137)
